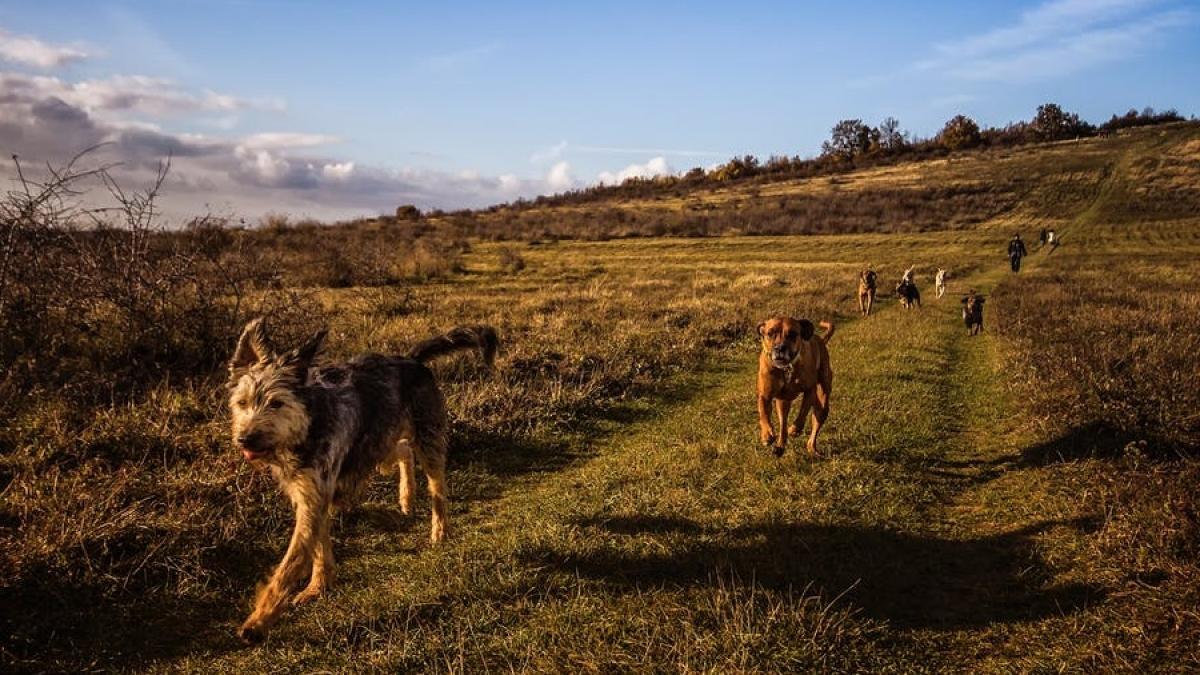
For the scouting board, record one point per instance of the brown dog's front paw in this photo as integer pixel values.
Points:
(252, 632)
(767, 438)
(308, 595)
(779, 450)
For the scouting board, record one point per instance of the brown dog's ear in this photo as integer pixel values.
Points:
(761, 327)
(807, 329)
(253, 346)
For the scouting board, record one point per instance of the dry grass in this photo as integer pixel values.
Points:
(987, 506)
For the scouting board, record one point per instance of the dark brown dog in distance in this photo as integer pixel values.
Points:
(866, 291)
(794, 362)
(973, 313)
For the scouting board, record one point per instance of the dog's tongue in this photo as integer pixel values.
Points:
(250, 454)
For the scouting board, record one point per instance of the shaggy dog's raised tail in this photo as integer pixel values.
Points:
(482, 338)
(828, 327)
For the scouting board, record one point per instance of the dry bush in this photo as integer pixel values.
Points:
(101, 300)
(382, 252)
(1107, 355)
(1127, 357)
(511, 260)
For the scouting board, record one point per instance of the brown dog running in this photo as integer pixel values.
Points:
(866, 291)
(794, 362)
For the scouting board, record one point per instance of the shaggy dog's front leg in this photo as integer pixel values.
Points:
(312, 509)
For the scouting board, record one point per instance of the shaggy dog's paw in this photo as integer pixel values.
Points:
(252, 632)
(779, 450)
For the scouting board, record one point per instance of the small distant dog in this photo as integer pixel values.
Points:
(939, 281)
(794, 362)
(866, 291)
(973, 313)
(909, 296)
(323, 430)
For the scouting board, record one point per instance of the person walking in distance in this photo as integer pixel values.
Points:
(1016, 251)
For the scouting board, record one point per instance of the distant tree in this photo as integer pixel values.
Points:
(960, 132)
(778, 164)
(890, 137)
(738, 167)
(1052, 123)
(849, 138)
(1146, 117)
(407, 212)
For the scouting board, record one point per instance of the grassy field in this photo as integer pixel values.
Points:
(1018, 501)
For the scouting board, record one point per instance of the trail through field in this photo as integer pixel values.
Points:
(685, 544)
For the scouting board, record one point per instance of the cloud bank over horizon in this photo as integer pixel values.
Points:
(47, 120)
(460, 114)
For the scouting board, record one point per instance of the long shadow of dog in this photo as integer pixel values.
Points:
(909, 580)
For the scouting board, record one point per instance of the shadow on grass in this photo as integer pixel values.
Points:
(55, 624)
(1095, 440)
(911, 581)
(508, 455)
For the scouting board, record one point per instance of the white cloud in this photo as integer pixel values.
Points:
(338, 171)
(560, 177)
(283, 140)
(30, 51)
(47, 120)
(122, 94)
(1055, 39)
(655, 167)
(1045, 21)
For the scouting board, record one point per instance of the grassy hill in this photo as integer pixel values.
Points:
(1019, 501)
(1148, 173)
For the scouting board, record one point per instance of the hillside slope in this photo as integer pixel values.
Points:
(1147, 173)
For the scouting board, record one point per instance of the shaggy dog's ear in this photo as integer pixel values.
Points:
(303, 356)
(252, 347)
(761, 327)
(807, 329)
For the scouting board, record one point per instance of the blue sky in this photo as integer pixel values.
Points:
(333, 109)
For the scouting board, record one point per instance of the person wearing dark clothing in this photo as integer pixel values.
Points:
(1016, 251)
(1042, 238)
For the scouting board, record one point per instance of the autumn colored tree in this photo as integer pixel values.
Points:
(849, 138)
(1052, 123)
(960, 132)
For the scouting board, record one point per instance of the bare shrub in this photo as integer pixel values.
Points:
(511, 260)
(106, 296)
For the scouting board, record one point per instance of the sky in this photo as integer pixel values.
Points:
(333, 110)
